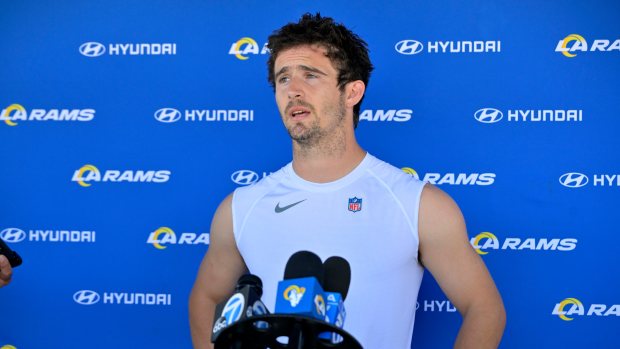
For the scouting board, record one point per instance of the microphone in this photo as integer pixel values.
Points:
(243, 304)
(301, 291)
(14, 259)
(336, 285)
(300, 319)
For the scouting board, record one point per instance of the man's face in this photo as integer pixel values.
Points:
(310, 103)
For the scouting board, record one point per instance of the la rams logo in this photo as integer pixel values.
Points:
(294, 294)
(355, 204)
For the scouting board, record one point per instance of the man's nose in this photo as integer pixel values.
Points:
(294, 89)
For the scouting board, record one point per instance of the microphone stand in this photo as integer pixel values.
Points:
(270, 331)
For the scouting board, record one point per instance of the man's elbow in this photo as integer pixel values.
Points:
(200, 318)
(499, 316)
(495, 314)
(198, 301)
(489, 313)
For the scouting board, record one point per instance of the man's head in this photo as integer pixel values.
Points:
(347, 52)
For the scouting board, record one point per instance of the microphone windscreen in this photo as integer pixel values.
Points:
(251, 280)
(337, 275)
(304, 264)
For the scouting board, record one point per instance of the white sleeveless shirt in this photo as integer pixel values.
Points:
(369, 217)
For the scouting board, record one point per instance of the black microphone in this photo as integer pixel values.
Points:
(303, 264)
(337, 276)
(243, 304)
(336, 286)
(14, 259)
(301, 291)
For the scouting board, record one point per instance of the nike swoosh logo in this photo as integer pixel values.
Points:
(279, 209)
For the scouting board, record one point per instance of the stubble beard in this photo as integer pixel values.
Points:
(312, 138)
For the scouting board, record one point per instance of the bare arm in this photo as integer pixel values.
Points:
(460, 272)
(5, 271)
(217, 276)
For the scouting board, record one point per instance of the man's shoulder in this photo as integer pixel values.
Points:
(394, 176)
(438, 200)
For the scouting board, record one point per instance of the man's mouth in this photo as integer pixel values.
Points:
(297, 112)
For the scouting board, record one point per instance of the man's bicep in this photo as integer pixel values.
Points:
(222, 264)
(446, 252)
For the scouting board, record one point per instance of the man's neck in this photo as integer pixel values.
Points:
(319, 166)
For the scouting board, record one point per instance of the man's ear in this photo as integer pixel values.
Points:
(354, 91)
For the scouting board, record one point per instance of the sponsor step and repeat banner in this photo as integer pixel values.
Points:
(125, 124)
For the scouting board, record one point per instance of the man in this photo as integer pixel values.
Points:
(335, 199)
(6, 272)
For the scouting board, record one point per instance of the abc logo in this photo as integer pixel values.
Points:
(233, 308)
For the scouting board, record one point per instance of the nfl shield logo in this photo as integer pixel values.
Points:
(355, 204)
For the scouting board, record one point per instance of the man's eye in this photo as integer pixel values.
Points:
(311, 75)
(283, 79)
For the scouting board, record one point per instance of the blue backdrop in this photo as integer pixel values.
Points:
(124, 124)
